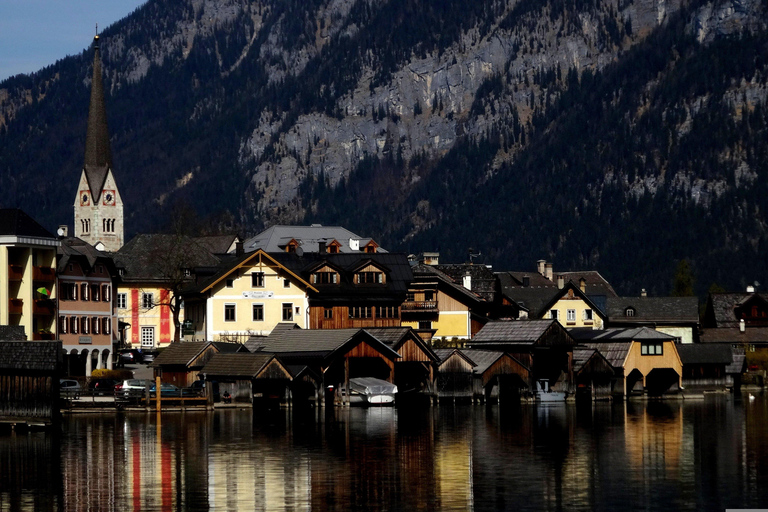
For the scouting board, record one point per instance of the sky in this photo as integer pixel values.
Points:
(36, 33)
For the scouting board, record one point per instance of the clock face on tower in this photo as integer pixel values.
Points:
(109, 197)
(85, 198)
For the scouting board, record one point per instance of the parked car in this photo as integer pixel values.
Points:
(131, 356)
(147, 357)
(171, 391)
(133, 388)
(102, 387)
(69, 388)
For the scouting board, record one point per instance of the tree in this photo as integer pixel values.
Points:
(682, 285)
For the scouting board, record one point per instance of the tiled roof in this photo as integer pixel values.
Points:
(30, 355)
(73, 247)
(615, 352)
(444, 353)
(181, 354)
(217, 244)
(618, 334)
(520, 332)
(723, 307)
(14, 222)
(12, 333)
(275, 238)
(392, 336)
(237, 365)
(653, 309)
(314, 341)
(423, 272)
(751, 335)
(482, 279)
(580, 357)
(696, 353)
(158, 257)
(483, 359)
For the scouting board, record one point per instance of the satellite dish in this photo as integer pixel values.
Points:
(60, 231)
(299, 252)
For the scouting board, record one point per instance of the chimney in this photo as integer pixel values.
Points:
(239, 249)
(560, 282)
(643, 293)
(467, 282)
(750, 289)
(540, 266)
(583, 285)
(742, 325)
(321, 247)
(548, 272)
(526, 281)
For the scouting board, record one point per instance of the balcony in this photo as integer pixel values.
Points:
(15, 272)
(44, 274)
(43, 307)
(428, 306)
(15, 306)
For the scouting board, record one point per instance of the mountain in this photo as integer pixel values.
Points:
(623, 136)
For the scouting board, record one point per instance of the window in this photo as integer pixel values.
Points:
(370, 278)
(652, 349)
(324, 278)
(147, 301)
(629, 312)
(106, 327)
(95, 292)
(85, 224)
(258, 312)
(286, 283)
(230, 283)
(553, 314)
(571, 315)
(229, 312)
(106, 292)
(85, 325)
(84, 291)
(73, 325)
(410, 297)
(147, 336)
(69, 291)
(429, 296)
(63, 324)
(287, 312)
(95, 324)
(122, 300)
(257, 280)
(387, 312)
(425, 325)
(588, 315)
(328, 313)
(360, 312)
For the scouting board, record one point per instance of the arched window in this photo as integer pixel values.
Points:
(629, 312)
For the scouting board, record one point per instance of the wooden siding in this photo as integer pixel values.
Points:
(455, 363)
(447, 303)
(341, 319)
(274, 370)
(412, 351)
(27, 396)
(506, 365)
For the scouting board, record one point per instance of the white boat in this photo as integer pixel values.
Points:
(370, 391)
(545, 394)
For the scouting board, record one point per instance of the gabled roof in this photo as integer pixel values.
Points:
(484, 359)
(570, 285)
(445, 353)
(653, 309)
(423, 272)
(30, 355)
(696, 353)
(721, 307)
(615, 353)
(482, 278)
(275, 238)
(16, 223)
(619, 335)
(98, 152)
(244, 365)
(75, 248)
(154, 257)
(320, 342)
(520, 332)
(218, 244)
(181, 354)
(394, 337)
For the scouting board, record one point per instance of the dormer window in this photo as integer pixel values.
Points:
(369, 278)
(370, 247)
(334, 247)
(325, 277)
(291, 246)
(629, 312)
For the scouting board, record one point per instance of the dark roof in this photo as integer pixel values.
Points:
(696, 353)
(98, 152)
(722, 306)
(580, 357)
(624, 335)
(217, 244)
(73, 247)
(653, 309)
(482, 278)
(483, 359)
(751, 335)
(15, 222)
(180, 354)
(615, 353)
(12, 333)
(275, 238)
(516, 332)
(227, 347)
(30, 355)
(159, 257)
(321, 342)
(393, 336)
(423, 272)
(237, 365)
(445, 353)
(739, 363)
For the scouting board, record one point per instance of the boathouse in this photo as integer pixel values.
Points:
(497, 375)
(595, 377)
(455, 374)
(415, 369)
(245, 376)
(29, 381)
(705, 366)
(180, 363)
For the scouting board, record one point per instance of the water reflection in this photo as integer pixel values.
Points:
(705, 455)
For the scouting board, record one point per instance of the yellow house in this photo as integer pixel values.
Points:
(27, 275)
(250, 297)
(438, 308)
(573, 308)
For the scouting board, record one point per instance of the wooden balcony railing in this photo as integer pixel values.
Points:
(15, 272)
(420, 305)
(43, 307)
(15, 306)
(45, 274)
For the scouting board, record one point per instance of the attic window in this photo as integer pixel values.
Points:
(370, 278)
(652, 349)
(291, 246)
(325, 278)
(629, 312)
(370, 247)
(333, 248)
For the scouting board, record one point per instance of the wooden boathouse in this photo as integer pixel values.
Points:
(29, 381)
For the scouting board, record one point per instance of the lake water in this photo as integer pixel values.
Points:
(708, 454)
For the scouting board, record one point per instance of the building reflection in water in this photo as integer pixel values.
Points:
(710, 454)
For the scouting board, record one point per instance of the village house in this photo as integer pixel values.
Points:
(87, 321)
(311, 239)
(27, 275)
(180, 363)
(676, 316)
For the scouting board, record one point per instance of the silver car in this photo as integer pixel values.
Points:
(135, 388)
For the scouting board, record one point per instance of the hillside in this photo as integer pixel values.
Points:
(616, 135)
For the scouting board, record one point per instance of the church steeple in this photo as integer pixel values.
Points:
(98, 205)
(98, 152)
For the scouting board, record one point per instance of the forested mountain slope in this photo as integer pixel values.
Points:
(617, 135)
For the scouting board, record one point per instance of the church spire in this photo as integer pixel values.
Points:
(98, 153)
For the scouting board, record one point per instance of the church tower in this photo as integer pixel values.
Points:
(98, 205)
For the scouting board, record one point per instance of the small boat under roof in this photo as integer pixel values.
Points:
(371, 391)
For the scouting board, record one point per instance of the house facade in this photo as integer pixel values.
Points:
(27, 275)
(675, 316)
